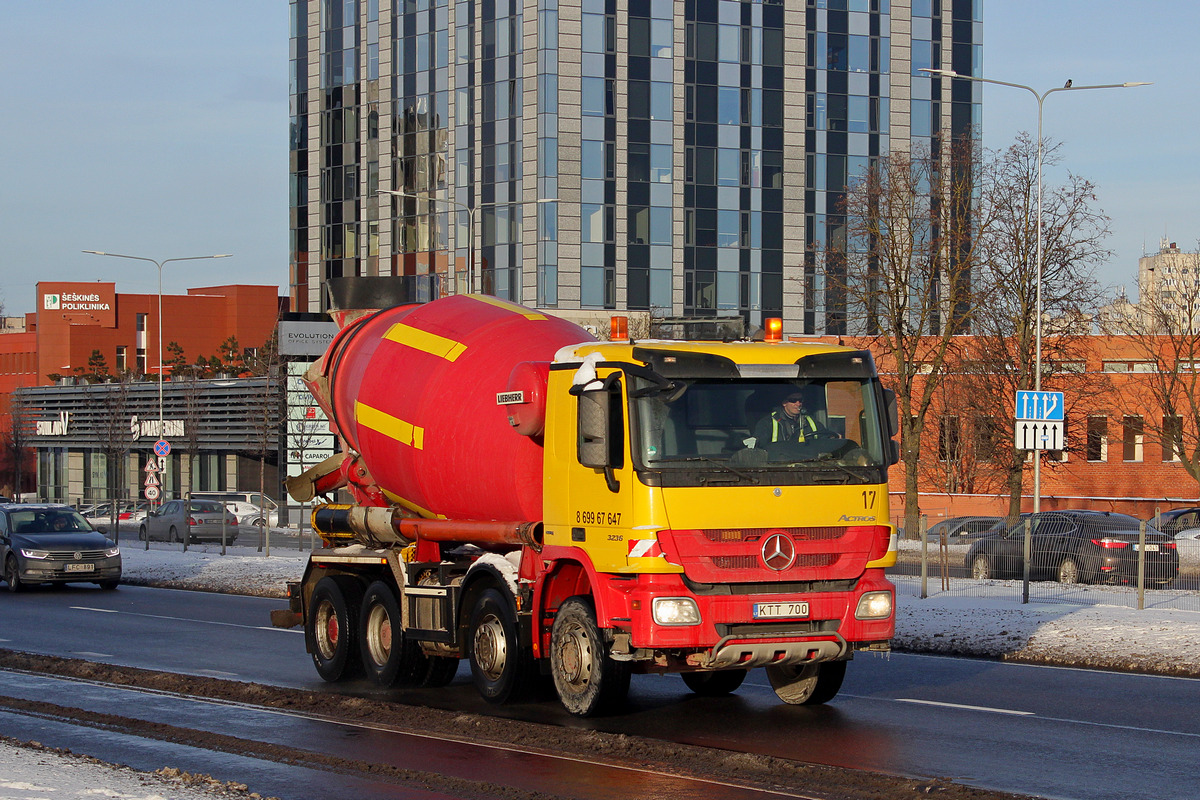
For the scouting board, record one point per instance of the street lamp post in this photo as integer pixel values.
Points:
(1041, 99)
(470, 222)
(159, 265)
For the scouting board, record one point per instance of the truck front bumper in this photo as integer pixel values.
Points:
(734, 627)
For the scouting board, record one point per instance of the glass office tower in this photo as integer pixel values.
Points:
(682, 158)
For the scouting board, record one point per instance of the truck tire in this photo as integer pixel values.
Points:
(714, 684)
(330, 627)
(499, 665)
(439, 671)
(807, 684)
(388, 657)
(588, 682)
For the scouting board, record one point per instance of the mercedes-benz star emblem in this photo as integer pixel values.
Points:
(778, 552)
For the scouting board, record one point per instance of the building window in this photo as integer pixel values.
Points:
(141, 323)
(1131, 438)
(1097, 439)
(988, 438)
(948, 439)
(1172, 438)
(122, 358)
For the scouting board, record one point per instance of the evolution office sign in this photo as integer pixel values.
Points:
(80, 302)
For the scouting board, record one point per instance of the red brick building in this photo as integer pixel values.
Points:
(74, 319)
(1119, 453)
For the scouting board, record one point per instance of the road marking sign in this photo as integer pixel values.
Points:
(1041, 421)
(1040, 405)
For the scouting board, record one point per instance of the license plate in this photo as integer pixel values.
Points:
(780, 610)
(1150, 548)
(81, 567)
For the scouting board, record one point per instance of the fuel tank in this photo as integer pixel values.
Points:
(442, 401)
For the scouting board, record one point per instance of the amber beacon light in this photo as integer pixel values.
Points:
(773, 330)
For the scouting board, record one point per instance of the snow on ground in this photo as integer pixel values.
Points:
(29, 771)
(1068, 626)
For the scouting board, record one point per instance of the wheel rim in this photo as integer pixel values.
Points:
(490, 647)
(1068, 572)
(10, 573)
(981, 568)
(379, 635)
(326, 629)
(575, 656)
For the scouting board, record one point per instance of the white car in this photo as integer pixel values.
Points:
(250, 508)
(1187, 542)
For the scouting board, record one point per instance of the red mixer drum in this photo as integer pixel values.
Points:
(420, 391)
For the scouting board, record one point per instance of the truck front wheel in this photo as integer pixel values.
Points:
(807, 684)
(330, 627)
(498, 664)
(586, 679)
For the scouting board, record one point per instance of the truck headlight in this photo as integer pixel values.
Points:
(34, 553)
(874, 605)
(112, 552)
(676, 611)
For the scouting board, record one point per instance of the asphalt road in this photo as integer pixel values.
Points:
(1054, 732)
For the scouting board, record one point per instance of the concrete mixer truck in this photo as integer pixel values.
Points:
(549, 506)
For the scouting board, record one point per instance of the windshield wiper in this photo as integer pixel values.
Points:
(721, 464)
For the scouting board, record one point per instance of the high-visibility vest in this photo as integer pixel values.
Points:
(803, 420)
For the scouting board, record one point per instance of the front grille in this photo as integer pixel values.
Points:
(69, 555)
(752, 562)
(814, 534)
(792, 628)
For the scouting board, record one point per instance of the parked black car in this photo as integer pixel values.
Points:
(1075, 547)
(959, 530)
(53, 543)
(1175, 520)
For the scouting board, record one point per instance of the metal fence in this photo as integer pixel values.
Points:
(125, 523)
(1078, 557)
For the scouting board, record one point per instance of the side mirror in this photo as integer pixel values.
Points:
(601, 429)
(893, 416)
(593, 429)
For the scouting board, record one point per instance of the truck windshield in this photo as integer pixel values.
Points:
(829, 427)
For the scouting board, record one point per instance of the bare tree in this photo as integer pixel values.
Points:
(115, 440)
(1002, 356)
(16, 439)
(266, 406)
(1165, 333)
(902, 265)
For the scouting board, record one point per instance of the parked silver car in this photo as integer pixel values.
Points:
(201, 521)
(250, 508)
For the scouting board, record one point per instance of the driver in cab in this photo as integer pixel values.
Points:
(790, 423)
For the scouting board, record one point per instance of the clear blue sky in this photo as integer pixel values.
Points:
(160, 129)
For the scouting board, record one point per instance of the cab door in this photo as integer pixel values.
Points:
(589, 479)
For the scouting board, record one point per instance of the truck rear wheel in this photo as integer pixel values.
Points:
(439, 671)
(807, 684)
(499, 665)
(330, 627)
(388, 657)
(586, 679)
